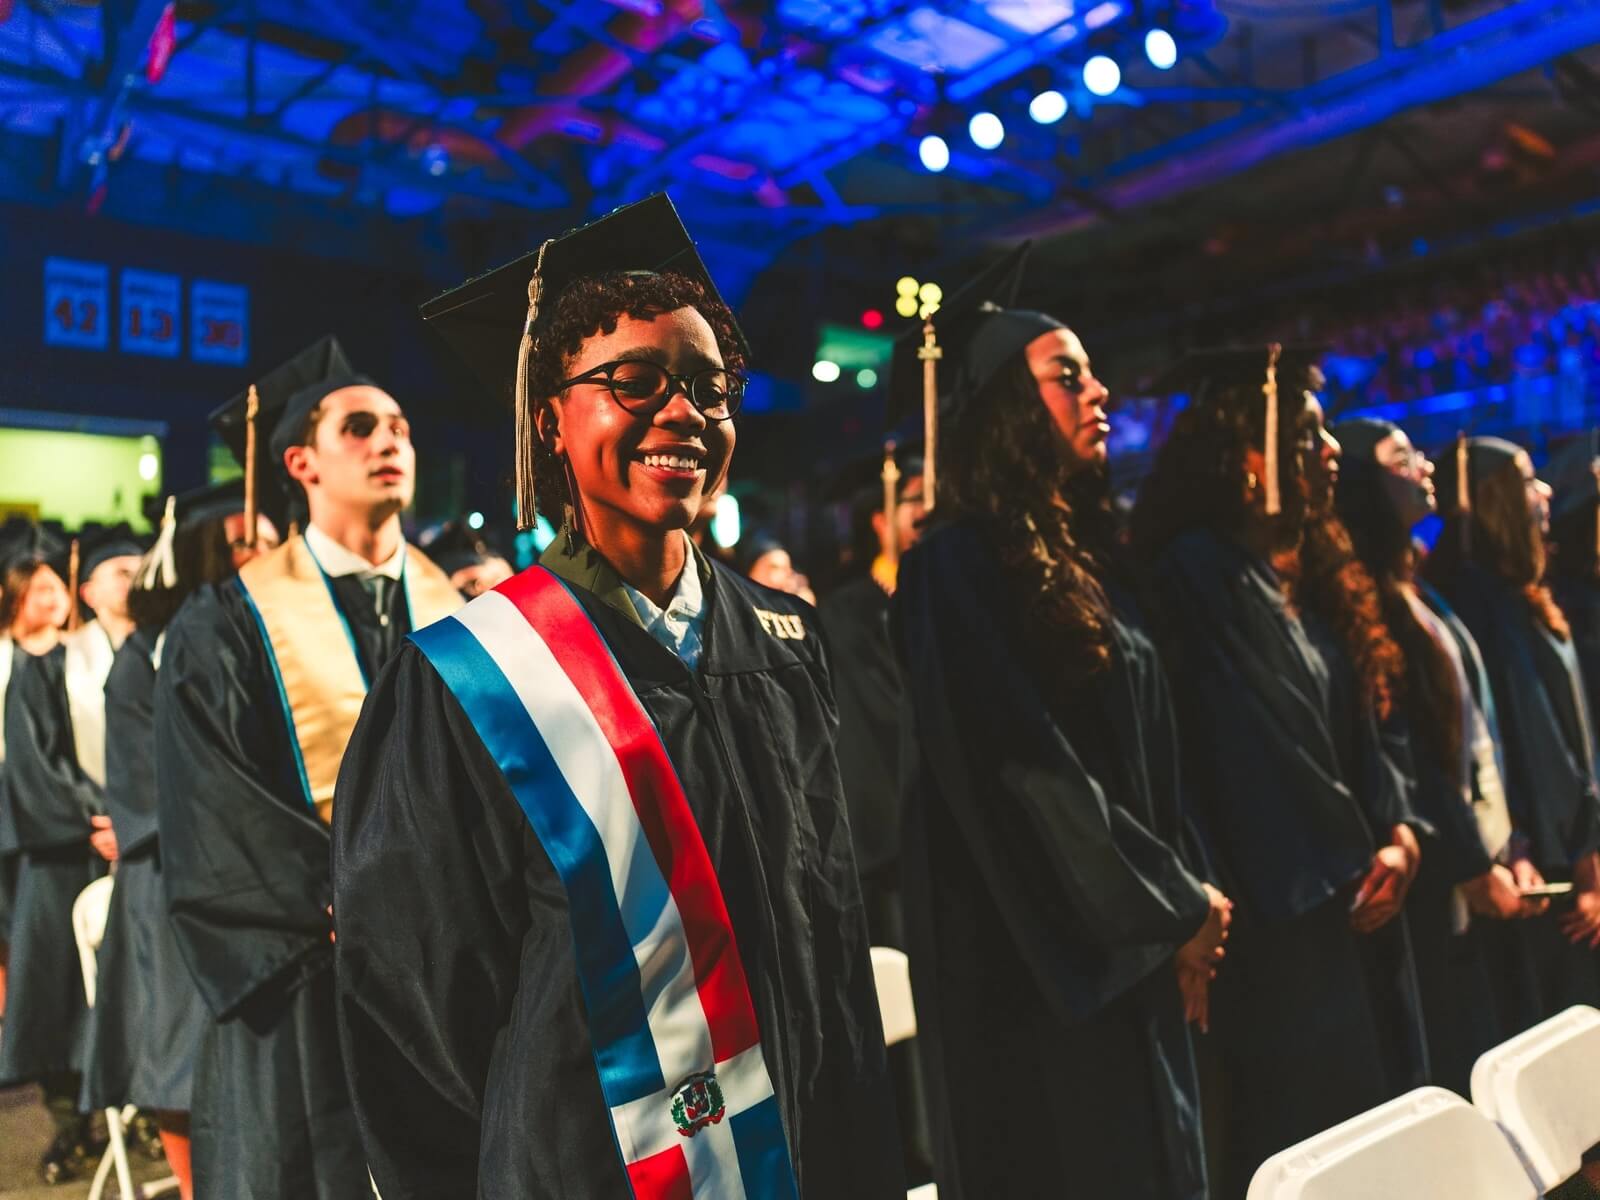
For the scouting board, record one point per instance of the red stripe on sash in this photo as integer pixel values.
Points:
(663, 1176)
(658, 799)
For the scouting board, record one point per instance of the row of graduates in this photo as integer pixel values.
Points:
(1212, 827)
(1103, 842)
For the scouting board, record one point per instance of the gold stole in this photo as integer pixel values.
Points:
(313, 654)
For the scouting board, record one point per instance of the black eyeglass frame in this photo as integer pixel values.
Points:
(734, 397)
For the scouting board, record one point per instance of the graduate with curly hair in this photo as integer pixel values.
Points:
(1059, 937)
(1313, 1020)
(599, 928)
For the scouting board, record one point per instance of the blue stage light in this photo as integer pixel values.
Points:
(1048, 107)
(1160, 49)
(986, 130)
(934, 153)
(1101, 75)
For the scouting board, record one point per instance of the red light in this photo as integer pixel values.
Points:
(872, 319)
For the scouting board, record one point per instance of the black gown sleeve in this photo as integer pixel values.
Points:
(130, 746)
(430, 909)
(244, 858)
(1012, 781)
(51, 798)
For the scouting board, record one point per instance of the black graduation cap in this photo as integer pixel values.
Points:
(1264, 369)
(1573, 474)
(22, 541)
(182, 511)
(117, 542)
(977, 332)
(457, 546)
(863, 476)
(490, 321)
(752, 546)
(1359, 437)
(1459, 470)
(284, 397)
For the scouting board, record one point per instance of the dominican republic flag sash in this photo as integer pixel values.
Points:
(675, 1035)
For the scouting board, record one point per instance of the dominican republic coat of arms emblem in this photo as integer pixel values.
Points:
(697, 1103)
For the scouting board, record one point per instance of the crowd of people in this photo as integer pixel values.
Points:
(1204, 826)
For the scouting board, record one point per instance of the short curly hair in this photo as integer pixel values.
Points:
(594, 304)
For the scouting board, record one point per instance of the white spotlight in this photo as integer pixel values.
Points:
(1160, 49)
(1101, 75)
(986, 130)
(149, 467)
(934, 153)
(475, 520)
(824, 371)
(1048, 107)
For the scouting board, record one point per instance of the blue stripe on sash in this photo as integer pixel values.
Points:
(763, 1152)
(624, 1050)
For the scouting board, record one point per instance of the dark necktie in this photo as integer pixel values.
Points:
(377, 587)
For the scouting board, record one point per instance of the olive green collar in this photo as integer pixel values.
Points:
(575, 561)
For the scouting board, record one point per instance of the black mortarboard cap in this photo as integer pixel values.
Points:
(117, 542)
(457, 546)
(490, 320)
(179, 512)
(1360, 437)
(285, 397)
(1482, 456)
(1263, 370)
(863, 476)
(977, 331)
(752, 546)
(1573, 474)
(25, 541)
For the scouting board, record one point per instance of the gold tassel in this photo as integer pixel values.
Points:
(1464, 490)
(527, 492)
(252, 408)
(74, 616)
(930, 354)
(891, 504)
(1274, 503)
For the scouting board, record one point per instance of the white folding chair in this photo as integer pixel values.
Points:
(891, 972)
(1543, 1089)
(89, 913)
(1429, 1144)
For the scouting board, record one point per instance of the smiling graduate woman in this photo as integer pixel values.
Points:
(599, 930)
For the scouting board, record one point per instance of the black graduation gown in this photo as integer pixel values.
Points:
(1580, 601)
(8, 853)
(1301, 1039)
(1044, 900)
(148, 1016)
(1477, 986)
(464, 1027)
(1549, 762)
(50, 803)
(866, 683)
(245, 867)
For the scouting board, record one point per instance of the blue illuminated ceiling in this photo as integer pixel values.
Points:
(768, 122)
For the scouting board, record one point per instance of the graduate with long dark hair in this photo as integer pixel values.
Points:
(148, 1018)
(599, 930)
(1312, 1020)
(1473, 978)
(1573, 548)
(1058, 937)
(1489, 562)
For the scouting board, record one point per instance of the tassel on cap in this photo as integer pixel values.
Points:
(1464, 490)
(252, 409)
(74, 559)
(891, 503)
(527, 492)
(1274, 499)
(160, 569)
(930, 354)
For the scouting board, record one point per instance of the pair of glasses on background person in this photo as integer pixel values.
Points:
(645, 387)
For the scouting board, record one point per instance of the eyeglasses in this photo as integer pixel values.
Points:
(645, 387)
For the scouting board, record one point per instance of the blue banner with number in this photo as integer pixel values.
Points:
(220, 323)
(150, 313)
(77, 303)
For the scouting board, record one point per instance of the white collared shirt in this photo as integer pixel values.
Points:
(678, 626)
(336, 561)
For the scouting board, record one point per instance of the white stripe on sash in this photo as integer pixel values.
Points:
(88, 661)
(649, 914)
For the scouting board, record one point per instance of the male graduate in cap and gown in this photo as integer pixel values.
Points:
(599, 931)
(1059, 937)
(262, 677)
(55, 782)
